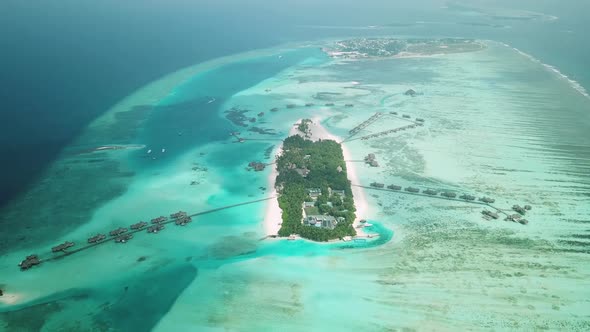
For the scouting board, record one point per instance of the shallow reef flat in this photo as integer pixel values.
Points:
(494, 126)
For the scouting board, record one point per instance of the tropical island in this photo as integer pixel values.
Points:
(315, 193)
(396, 48)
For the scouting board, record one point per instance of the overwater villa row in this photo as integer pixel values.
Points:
(516, 217)
(292, 106)
(489, 215)
(390, 131)
(118, 235)
(432, 192)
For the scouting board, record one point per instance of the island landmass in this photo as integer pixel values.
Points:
(315, 193)
(358, 48)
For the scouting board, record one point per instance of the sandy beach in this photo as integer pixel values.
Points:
(272, 218)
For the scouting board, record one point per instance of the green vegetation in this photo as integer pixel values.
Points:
(304, 126)
(307, 165)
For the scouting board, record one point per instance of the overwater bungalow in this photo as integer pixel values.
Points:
(429, 192)
(178, 214)
(291, 106)
(514, 217)
(96, 238)
(448, 194)
(405, 116)
(62, 247)
(467, 197)
(260, 114)
(528, 207)
(118, 231)
(155, 228)
(412, 190)
(393, 113)
(139, 225)
(370, 157)
(274, 109)
(183, 221)
(487, 200)
(519, 209)
(257, 166)
(124, 238)
(377, 185)
(410, 92)
(159, 220)
(29, 262)
(523, 221)
(394, 187)
(419, 120)
(490, 214)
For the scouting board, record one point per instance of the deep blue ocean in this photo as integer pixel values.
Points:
(62, 64)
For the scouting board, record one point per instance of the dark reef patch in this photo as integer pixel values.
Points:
(143, 301)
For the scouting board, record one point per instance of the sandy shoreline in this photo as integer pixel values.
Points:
(273, 219)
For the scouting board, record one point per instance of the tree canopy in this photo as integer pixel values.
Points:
(305, 165)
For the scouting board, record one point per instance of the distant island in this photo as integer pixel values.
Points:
(392, 47)
(315, 193)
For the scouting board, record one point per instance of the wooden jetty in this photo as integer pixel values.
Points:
(385, 132)
(443, 197)
(25, 264)
(365, 124)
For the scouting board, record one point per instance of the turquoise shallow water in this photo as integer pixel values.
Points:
(437, 265)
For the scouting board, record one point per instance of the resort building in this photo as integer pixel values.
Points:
(328, 222)
(339, 193)
(308, 204)
(314, 193)
(302, 171)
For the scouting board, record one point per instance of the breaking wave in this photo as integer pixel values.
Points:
(573, 83)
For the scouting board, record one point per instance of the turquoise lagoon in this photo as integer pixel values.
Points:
(497, 124)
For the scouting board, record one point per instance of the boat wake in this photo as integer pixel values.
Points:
(573, 83)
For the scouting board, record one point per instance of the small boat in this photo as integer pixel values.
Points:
(149, 151)
(163, 150)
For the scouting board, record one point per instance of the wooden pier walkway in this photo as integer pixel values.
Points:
(420, 194)
(169, 221)
(363, 125)
(385, 132)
